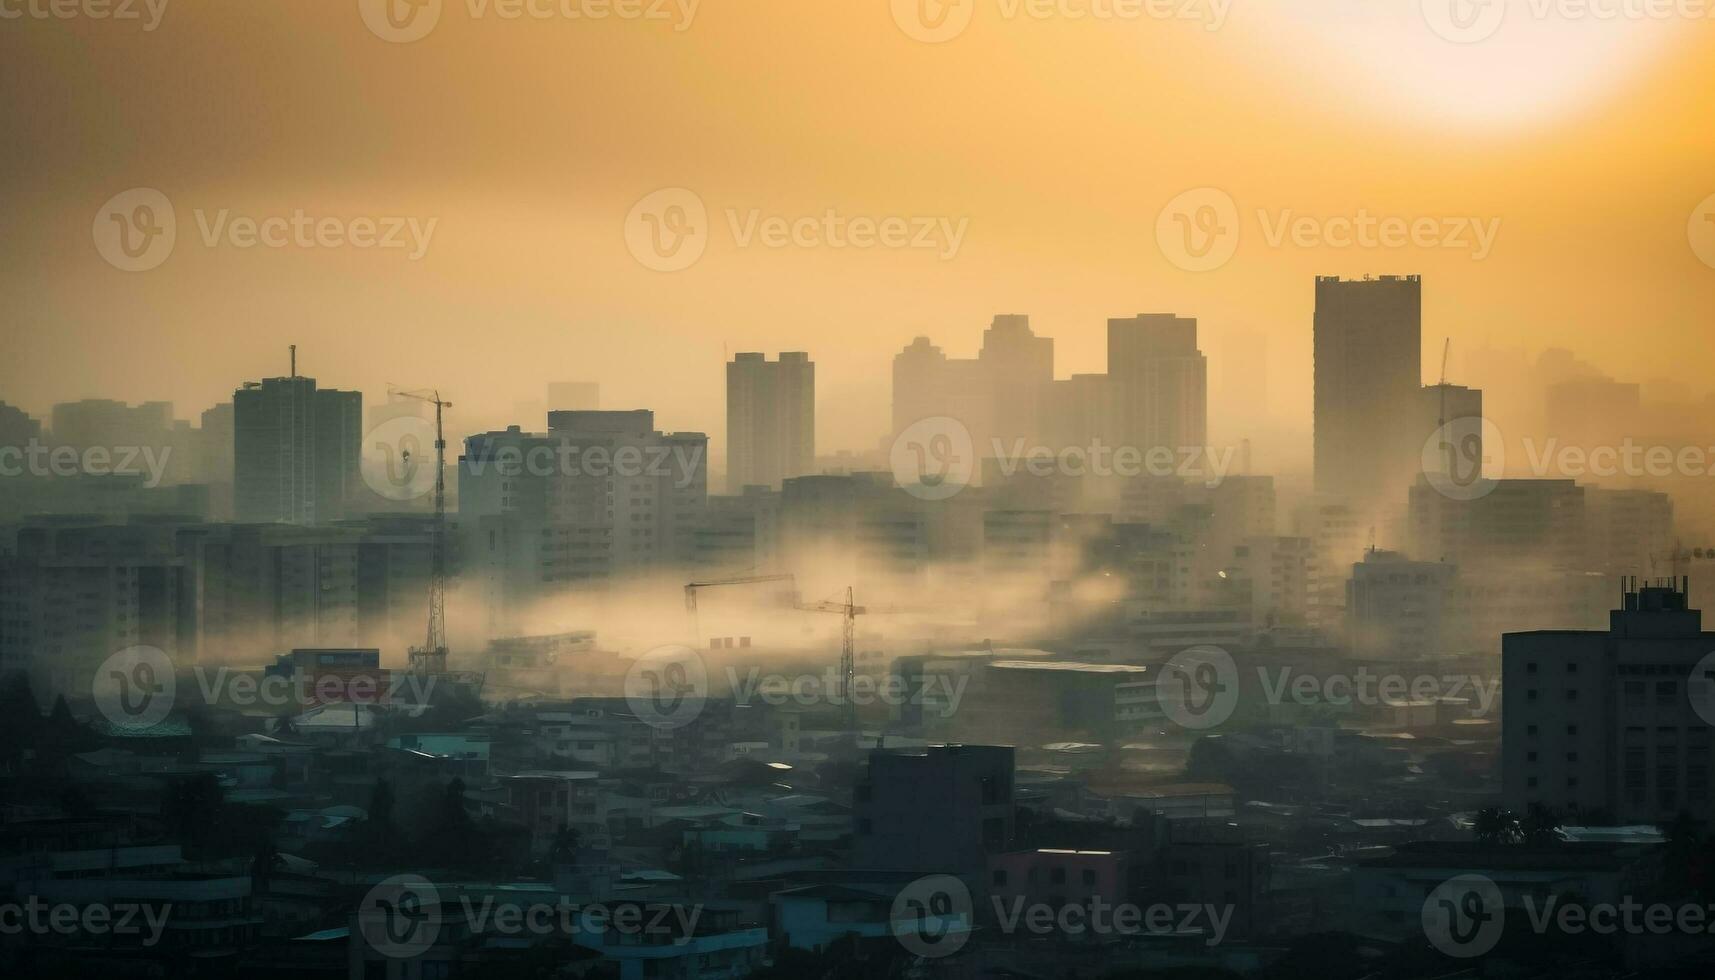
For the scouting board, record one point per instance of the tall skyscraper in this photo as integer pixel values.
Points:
(771, 419)
(1369, 369)
(295, 451)
(1160, 381)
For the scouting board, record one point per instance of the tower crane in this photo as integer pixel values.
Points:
(848, 609)
(431, 657)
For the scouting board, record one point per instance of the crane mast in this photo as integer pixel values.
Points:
(431, 657)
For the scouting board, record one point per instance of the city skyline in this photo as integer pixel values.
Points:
(553, 251)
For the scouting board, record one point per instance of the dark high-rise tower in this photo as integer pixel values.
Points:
(1369, 369)
(295, 451)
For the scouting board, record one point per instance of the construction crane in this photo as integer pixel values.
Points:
(431, 657)
(849, 610)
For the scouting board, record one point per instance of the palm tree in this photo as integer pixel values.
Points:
(1494, 826)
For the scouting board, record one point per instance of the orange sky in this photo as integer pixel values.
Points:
(1055, 141)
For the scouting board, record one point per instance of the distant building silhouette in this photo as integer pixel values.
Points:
(1369, 369)
(1160, 382)
(998, 396)
(771, 419)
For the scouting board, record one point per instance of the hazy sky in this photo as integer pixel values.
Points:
(1052, 143)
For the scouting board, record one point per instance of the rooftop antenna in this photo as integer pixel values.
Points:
(294, 353)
